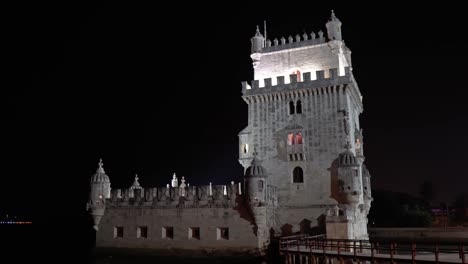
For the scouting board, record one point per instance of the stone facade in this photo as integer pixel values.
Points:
(303, 157)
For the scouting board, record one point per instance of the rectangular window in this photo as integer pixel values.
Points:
(194, 233)
(168, 232)
(142, 232)
(222, 233)
(118, 232)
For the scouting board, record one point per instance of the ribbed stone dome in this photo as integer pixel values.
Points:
(255, 169)
(347, 158)
(100, 176)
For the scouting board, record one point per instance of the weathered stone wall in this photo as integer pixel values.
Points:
(241, 231)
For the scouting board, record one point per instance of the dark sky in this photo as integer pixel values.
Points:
(154, 95)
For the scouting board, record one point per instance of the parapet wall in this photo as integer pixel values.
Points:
(192, 196)
(318, 79)
(295, 42)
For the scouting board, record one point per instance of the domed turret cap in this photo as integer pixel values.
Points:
(100, 176)
(255, 169)
(347, 158)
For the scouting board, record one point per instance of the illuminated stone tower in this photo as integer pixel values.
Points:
(100, 191)
(303, 121)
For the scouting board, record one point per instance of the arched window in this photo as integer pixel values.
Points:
(291, 108)
(245, 148)
(299, 107)
(291, 139)
(298, 138)
(298, 175)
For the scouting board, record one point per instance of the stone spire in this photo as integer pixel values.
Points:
(136, 184)
(100, 169)
(334, 27)
(258, 41)
(175, 181)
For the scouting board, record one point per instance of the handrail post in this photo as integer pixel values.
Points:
(413, 253)
(436, 253)
(354, 249)
(338, 249)
(360, 246)
(462, 253)
(391, 251)
(372, 250)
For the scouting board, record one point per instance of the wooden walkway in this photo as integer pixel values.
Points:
(316, 249)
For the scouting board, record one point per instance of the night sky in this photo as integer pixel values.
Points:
(155, 95)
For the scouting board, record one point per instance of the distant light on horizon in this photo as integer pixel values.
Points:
(15, 222)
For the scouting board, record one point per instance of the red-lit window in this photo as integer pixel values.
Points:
(298, 138)
(291, 139)
(298, 73)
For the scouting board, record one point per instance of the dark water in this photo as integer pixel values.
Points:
(64, 244)
(171, 259)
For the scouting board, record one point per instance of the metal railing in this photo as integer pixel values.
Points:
(365, 249)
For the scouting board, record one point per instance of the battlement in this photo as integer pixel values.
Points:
(296, 42)
(309, 80)
(191, 196)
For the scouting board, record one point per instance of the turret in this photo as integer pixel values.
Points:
(256, 182)
(100, 191)
(334, 27)
(258, 42)
(349, 176)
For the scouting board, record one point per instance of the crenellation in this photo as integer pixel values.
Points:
(293, 78)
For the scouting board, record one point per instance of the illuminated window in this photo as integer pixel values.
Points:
(291, 139)
(245, 148)
(291, 108)
(194, 233)
(299, 107)
(118, 232)
(142, 232)
(298, 175)
(222, 233)
(358, 143)
(298, 138)
(168, 232)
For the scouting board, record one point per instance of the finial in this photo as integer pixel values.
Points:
(348, 145)
(136, 184)
(333, 14)
(257, 32)
(255, 160)
(100, 168)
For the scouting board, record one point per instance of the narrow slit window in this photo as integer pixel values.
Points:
(118, 232)
(168, 232)
(299, 107)
(142, 232)
(194, 233)
(291, 108)
(222, 233)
